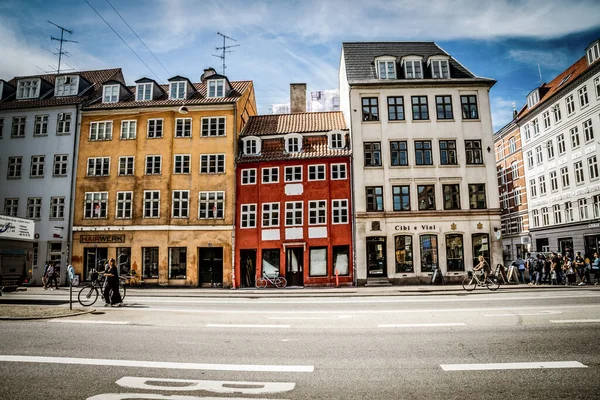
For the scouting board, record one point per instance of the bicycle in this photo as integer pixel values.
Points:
(472, 280)
(88, 295)
(278, 281)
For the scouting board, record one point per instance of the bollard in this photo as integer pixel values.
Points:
(337, 281)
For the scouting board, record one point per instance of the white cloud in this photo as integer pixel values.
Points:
(502, 111)
(553, 59)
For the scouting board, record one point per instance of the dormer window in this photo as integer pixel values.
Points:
(143, 92)
(216, 88)
(440, 69)
(177, 90)
(251, 146)
(593, 52)
(336, 140)
(386, 68)
(533, 98)
(110, 94)
(28, 89)
(293, 143)
(413, 69)
(66, 85)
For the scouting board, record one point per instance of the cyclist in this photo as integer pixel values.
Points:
(484, 267)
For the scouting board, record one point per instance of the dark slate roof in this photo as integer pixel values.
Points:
(95, 77)
(280, 124)
(312, 147)
(359, 60)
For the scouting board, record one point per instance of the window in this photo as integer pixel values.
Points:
(569, 212)
(338, 171)
(504, 201)
(293, 144)
(370, 109)
(18, 127)
(413, 69)
(151, 203)
(211, 205)
(249, 176)
(270, 215)
(293, 174)
(61, 162)
(57, 208)
(570, 105)
(317, 212)
(469, 107)
(248, 216)
(66, 85)
(477, 196)
(578, 172)
(95, 205)
(593, 167)
(37, 166)
(374, 198)
(423, 153)
(455, 252)
(155, 128)
(177, 90)
(399, 153)
(387, 69)
(557, 214)
(336, 140)
(448, 152)
(216, 88)
(404, 254)
(11, 207)
(15, 165)
(100, 131)
(533, 187)
(545, 216)
(526, 132)
(124, 205)
(143, 91)
(1, 127)
(557, 114)
(546, 119)
(596, 206)
(128, 130)
(177, 262)
(536, 218)
(514, 170)
(588, 131)
(517, 196)
(420, 109)
(426, 197)
(183, 127)
(451, 197)
(110, 94)
(550, 149)
(212, 163)
(270, 262)
(214, 126)
(474, 152)
(593, 53)
(271, 175)
(536, 127)
(293, 213)
(98, 166)
(153, 165)
(553, 181)
(512, 145)
(560, 140)
(574, 137)
(40, 127)
(439, 69)
(444, 107)
(395, 108)
(150, 257)
(34, 208)
(182, 164)
(372, 154)
(339, 211)
(564, 175)
(317, 261)
(533, 98)
(316, 172)
(583, 97)
(28, 89)
(597, 86)
(126, 165)
(181, 204)
(530, 162)
(251, 146)
(583, 209)
(539, 156)
(341, 260)
(542, 182)
(63, 124)
(429, 254)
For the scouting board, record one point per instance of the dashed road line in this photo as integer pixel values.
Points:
(518, 365)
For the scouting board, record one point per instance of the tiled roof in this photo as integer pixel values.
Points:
(360, 68)
(198, 98)
(279, 124)
(312, 147)
(96, 78)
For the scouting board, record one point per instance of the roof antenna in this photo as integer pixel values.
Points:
(514, 110)
(61, 40)
(224, 50)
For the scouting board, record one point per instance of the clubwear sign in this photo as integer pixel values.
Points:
(16, 228)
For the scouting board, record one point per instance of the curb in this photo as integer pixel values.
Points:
(46, 317)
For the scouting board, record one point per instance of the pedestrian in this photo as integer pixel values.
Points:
(529, 264)
(45, 276)
(570, 276)
(51, 276)
(580, 268)
(521, 267)
(111, 291)
(553, 276)
(596, 267)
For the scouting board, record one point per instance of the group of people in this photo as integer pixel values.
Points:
(557, 269)
(50, 276)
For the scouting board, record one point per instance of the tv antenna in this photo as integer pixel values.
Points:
(61, 40)
(224, 50)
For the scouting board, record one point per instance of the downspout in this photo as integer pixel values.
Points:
(354, 268)
(235, 143)
(72, 194)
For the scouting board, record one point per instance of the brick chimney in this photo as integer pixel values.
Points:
(297, 98)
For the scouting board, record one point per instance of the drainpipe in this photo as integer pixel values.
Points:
(235, 154)
(73, 174)
(351, 167)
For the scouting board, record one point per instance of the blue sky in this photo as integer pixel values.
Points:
(300, 41)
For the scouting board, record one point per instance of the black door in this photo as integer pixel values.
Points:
(376, 262)
(210, 266)
(294, 268)
(247, 268)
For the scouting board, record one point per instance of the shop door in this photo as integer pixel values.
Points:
(210, 266)
(592, 245)
(94, 258)
(247, 268)
(565, 245)
(294, 268)
(376, 261)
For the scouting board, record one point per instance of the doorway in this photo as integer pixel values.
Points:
(294, 268)
(565, 245)
(247, 268)
(210, 267)
(376, 262)
(94, 258)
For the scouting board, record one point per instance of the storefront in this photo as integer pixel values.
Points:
(16, 250)
(583, 237)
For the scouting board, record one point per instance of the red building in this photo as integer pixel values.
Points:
(294, 200)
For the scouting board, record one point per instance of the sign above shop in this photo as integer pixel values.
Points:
(16, 228)
(412, 228)
(102, 239)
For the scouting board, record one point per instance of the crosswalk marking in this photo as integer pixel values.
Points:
(421, 325)
(246, 326)
(83, 321)
(574, 321)
(518, 365)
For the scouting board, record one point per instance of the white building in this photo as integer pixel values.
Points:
(320, 100)
(425, 188)
(560, 128)
(39, 129)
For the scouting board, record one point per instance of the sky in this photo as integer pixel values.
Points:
(283, 42)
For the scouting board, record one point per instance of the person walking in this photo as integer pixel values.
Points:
(596, 267)
(111, 291)
(45, 275)
(580, 268)
(521, 267)
(530, 266)
(51, 277)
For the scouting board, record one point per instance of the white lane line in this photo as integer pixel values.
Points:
(519, 313)
(574, 321)
(312, 318)
(522, 365)
(246, 326)
(73, 321)
(156, 364)
(421, 325)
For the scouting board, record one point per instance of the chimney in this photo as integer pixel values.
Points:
(297, 98)
(207, 72)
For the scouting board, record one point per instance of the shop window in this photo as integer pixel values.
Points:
(454, 253)
(150, 257)
(404, 254)
(481, 248)
(177, 262)
(376, 261)
(429, 253)
(270, 262)
(341, 260)
(94, 260)
(124, 260)
(318, 261)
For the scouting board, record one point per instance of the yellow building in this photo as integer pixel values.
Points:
(156, 179)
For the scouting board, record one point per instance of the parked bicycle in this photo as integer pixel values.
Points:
(88, 295)
(472, 281)
(278, 281)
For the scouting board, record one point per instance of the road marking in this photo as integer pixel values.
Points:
(223, 387)
(246, 326)
(519, 313)
(574, 321)
(157, 364)
(75, 321)
(502, 366)
(420, 325)
(311, 318)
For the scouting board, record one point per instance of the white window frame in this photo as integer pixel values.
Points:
(154, 158)
(583, 209)
(121, 210)
(560, 144)
(570, 103)
(215, 88)
(596, 206)
(251, 145)
(183, 159)
(66, 85)
(15, 168)
(512, 145)
(177, 95)
(557, 113)
(592, 163)
(18, 126)
(564, 177)
(526, 132)
(128, 129)
(34, 208)
(153, 126)
(545, 216)
(210, 127)
(219, 161)
(57, 208)
(539, 155)
(317, 170)
(574, 134)
(149, 203)
(542, 184)
(582, 94)
(180, 202)
(550, 149)
(28, 88)
(248, 176)
(61, 161)
(553, 181)
(143, 91)
(597, 86)
(517, 196)
(319, 207)
(530, 161)
(546, 119)
(270, 175)
(557, 214)
(269, 212)
(40, 125)
(124, 162)
(293, 143)
(593, 53)
(37, 168)
(94, 162)
(569, 212)
(186, 128)
(217, 199)
(103, 131)
(440, 66)
(294, 173)
(415, 64)
(533, 98)
(95, 198)
(536, 127)
(246, 212)
(579, 174)
(336, 140)
(337, 170)
(11, 207)
(110, 94)
(588, 131)
(386, 73)
(514, 170)
(63, 123)
(297, 208)
(339, 211)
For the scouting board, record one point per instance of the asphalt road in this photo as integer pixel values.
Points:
(538, 345)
